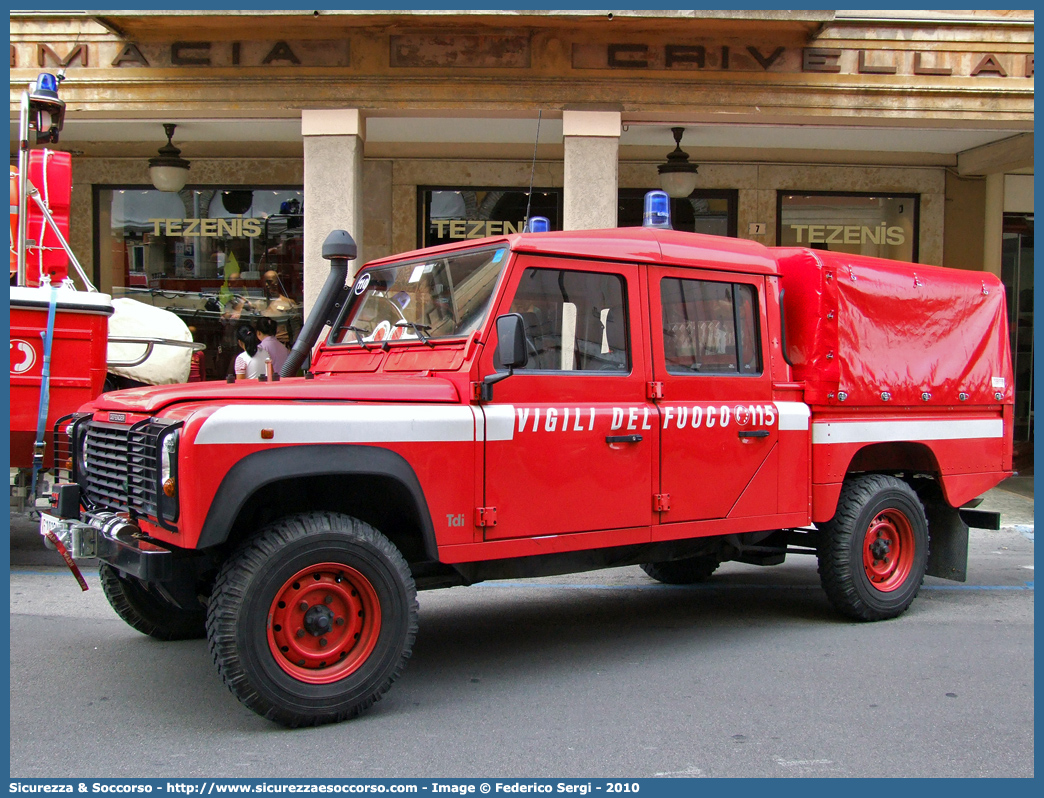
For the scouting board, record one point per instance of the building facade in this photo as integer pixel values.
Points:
(901, 134)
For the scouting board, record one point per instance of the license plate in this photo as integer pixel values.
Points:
(49, 523)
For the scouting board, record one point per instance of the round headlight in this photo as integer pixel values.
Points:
(83, 453)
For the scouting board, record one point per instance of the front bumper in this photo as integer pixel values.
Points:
(114, 540)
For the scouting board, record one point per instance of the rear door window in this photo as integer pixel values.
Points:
(709, 327)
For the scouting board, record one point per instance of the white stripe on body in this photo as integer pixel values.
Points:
(341, 423)
(895, 430)
(500, 422)
(792, 415)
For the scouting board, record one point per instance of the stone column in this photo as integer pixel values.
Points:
(993, 238)
(333, 198)
(591, 179)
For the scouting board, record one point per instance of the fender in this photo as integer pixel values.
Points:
(275, 465)
(963, 473)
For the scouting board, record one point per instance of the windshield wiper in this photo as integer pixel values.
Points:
(420, 329)
(358, 336)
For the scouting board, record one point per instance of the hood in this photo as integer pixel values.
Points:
(371, 388)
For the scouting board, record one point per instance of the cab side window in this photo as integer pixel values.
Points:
(575, 321)
(709, 327)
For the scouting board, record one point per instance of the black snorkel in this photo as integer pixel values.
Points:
(338, 248)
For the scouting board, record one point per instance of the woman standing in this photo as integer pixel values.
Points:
(250, 363)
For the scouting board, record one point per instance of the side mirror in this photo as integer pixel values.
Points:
(511, 350)
(511, 340)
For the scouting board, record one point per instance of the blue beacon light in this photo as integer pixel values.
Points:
(657, 210)
(46, 111)
(46, 82)
(538, 224)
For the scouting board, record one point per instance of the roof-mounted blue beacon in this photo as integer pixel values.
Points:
(657, 210)
(46, 110)
(538, 224)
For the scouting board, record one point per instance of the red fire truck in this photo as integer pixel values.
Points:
(539, 404)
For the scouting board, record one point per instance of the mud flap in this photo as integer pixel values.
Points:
(947, 542)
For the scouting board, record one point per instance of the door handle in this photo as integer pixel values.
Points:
(623, 438)
(753, 433)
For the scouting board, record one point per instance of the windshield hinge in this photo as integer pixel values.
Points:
(485, 516)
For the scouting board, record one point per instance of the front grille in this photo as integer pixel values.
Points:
(123, 466)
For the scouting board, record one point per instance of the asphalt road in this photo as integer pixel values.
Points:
(599, 674)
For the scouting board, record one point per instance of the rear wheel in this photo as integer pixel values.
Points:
(148, 611)
(874, 552)
(313, 619)
(683, 572)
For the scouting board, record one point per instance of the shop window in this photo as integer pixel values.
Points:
(709, 327)
(449, 214)
(712, 212)
(218, 258)
(881, 225)
(575, 321)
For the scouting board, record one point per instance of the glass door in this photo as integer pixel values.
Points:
(1017, 274)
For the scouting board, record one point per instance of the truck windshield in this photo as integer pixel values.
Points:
(440, 297)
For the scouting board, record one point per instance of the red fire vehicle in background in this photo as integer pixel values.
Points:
(64, 338)
(539, 404)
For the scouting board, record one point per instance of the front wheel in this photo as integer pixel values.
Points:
(313, 619)
(688, 571)
(874, 552)
(149, 612)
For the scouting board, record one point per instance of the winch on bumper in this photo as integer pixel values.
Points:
(112, 539)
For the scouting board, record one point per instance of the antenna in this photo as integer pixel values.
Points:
(532, 172)
(61, 72)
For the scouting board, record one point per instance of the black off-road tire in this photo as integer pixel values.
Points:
(683, 572)
(874, 552)
(312, 619)
(149, 612)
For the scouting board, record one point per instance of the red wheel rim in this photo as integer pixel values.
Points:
(324, 623)
(888, 550)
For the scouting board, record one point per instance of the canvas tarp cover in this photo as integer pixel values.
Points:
(867, 327)
(167, 364)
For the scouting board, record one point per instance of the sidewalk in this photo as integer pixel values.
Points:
(1013, 499)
